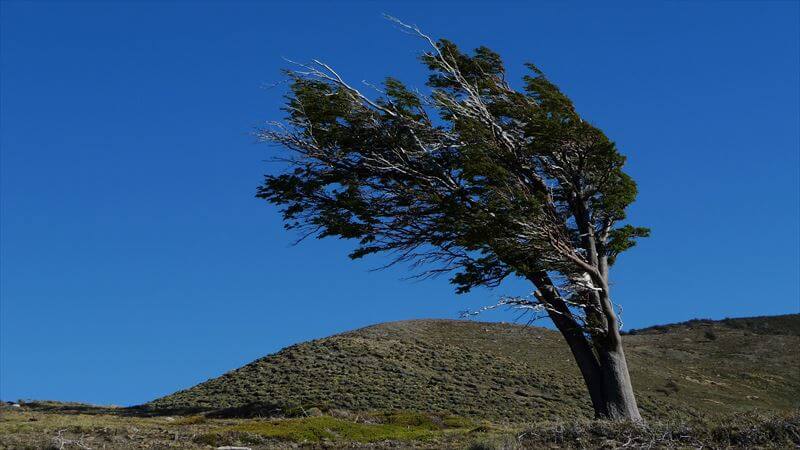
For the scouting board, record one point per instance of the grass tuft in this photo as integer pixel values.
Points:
(326, 428)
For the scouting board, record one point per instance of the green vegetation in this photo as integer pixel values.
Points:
(48, 428)
(39, 425)
(493, 371)
(455, 384)
(787, 324)
(737, 431)
(401, 426)
(317, 429)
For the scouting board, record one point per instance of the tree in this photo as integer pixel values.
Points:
(475, 179)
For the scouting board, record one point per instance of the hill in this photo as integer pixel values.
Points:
(509, 372)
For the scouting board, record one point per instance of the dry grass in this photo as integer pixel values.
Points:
(33, 428)
(53, 429)
(506, 372)
(453, 384)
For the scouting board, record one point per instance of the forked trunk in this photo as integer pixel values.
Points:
(605, 372)
(586, 359)
(601, 360)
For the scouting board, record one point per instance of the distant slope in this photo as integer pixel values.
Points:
(510, 372)
(788, 324)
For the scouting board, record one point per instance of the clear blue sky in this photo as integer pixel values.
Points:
(136, 260)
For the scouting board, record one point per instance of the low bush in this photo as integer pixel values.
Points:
(740, 431)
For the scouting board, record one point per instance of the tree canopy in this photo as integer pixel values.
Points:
(474, 178)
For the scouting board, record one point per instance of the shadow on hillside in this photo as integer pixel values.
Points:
(246, 411)
(83, 408)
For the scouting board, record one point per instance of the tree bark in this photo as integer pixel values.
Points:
(604, 371)
(576, 340)
(619, 398)
(601, 362)
(587, 362)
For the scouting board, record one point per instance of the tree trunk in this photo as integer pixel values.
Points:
(586, 359)
(605, 373)
(619, 399)
(601, 361)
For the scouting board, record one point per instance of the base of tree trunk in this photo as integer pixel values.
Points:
(620, 401)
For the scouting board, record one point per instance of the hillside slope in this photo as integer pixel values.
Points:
(510, 372)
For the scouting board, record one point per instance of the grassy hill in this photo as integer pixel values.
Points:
(509, 373)
(432, 384)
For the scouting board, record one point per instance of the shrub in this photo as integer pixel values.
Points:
(742, 430)
(326, 428)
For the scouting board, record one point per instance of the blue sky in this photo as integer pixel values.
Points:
(136, 260)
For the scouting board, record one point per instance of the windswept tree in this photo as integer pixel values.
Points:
(475, 179)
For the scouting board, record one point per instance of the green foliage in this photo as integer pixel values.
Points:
(454, 180)
(624, 238)
(558, 107)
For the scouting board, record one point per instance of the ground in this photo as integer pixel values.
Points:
(455, 384)
(46, 427)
